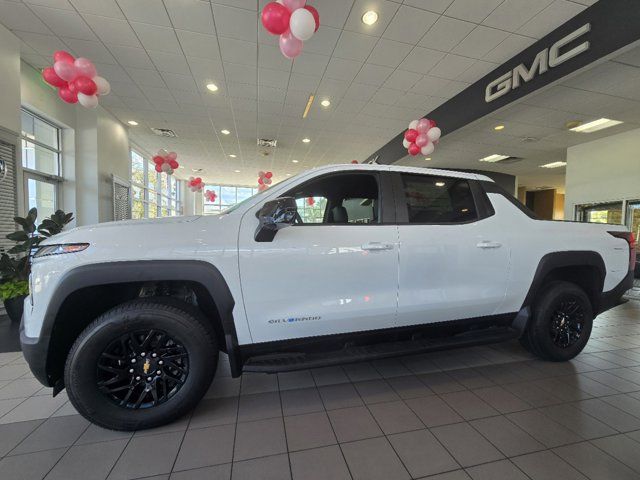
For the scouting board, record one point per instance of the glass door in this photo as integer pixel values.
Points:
(41, 193)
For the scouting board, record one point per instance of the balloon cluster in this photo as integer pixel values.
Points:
(294, 21)
(311, 201)
(166, 162)
(76, 79)
(210, 195)
(354, 162)
(264, 180)
(422, 137)
(195, 184)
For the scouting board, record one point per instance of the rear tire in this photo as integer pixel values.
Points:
(561, 323)
(141, 365)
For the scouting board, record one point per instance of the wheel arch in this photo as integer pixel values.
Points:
(99, 287)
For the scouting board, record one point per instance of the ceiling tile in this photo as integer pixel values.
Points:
(355, 46)
(179, 81)
(478, 70)
(105, 8)
(472, 10)
(550, 18)
(96, 51)
(276, 78)
(360, 91)
(389, 53)
(64, 23)
(169, 62)
(410, 24)
(421, 60)
(238, 51)
(236, 22)
(199, 45)
(323, 41)
(305, 83)
(145, 11)
(438, 6)
(43, 44)
(131, 56)
(162, 39)
(342, 69)
(16, 16)
(61, 4)
(480, 42)
(310, 64)
(513, 14)
(451, 66)
(373, 74)
(146, 78)
(429, 85)
(191, 15)
(335, 12)
(112, 30)
(402, 80)
(237, 73)
(510, 47)
(446, 33)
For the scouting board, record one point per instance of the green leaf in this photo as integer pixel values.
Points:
(13, 289)
(19, 236)
(26, 225)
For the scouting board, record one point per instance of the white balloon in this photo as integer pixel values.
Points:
(434, 134)
(405, 143)
(165, 167)
(163, 153)
(302, 24)
(427, 149)
(267, 181)
(87, 101)
(104, 87)
(414, 124)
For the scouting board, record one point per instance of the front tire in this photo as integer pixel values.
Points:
(561, 323)
(141, 365)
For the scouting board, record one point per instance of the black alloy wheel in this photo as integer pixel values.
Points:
(567, 323)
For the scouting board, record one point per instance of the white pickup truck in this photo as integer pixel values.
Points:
(339, 264)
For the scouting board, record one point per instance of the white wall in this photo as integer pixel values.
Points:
(603, 171)
(9, 81)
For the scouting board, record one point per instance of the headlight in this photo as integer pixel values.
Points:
(59, 249)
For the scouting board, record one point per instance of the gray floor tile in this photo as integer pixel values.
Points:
(456, 475)
(212, 412)
(532, 394)
(373, 459)
(466, 445)
(94, 434)
(594, 463)
(179, 425)
(259, 406)
(510, 439)
(30, 466)
(409, 386)
(468, 405)
(319, 464)
(577, 421)
(295, 380)
(501, 399)
(376, 391)
(543, 429)
(433, 411)
(360, 372)
(441, 382)
(20, 388)
(501, 470)
(11, 434)
(266, 468)
(340, 396)
(204, 447)
(422, 454)
(391, 367)
(218, 472)
(622, 448)
(252, 383)
(395, 417)
(138, 459)
(610, 380)
(329, 376)
(33, 408)
(607, 413)
(299, 401)
(88, 462)
(353, 423)
(53, 433)
(470, 378)
(223, 387)
(547, 466)
(308, 431)
(260, 438)
(624, 402)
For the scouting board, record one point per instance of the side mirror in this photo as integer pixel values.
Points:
(273, 216)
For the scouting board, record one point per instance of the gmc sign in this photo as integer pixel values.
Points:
(548, 58)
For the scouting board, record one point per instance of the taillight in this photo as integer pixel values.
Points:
(631, 240)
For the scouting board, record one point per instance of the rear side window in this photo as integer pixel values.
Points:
(431, 199)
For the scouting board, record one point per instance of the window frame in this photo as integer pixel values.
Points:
(386, 211)
(155, 196)
(482, 204)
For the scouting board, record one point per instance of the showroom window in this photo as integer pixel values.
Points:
(438, 199)
(338, 199)
(41, 163)
(226, 196)
(601, 213)
(154, 194)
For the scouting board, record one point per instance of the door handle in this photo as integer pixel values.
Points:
(374, 246)
(487, 244)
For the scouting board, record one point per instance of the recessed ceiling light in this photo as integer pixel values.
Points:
(233, 155)
(212, 87)
(596, 125)
(133, 123)
(370, 17)
(294, 161)
(428, 158)
(494, 158)
(237, 171)
(325, 103)
(288, 174)
(306, 140)
(554, 165)
(498, 127)
(225, 132)
(439, 184)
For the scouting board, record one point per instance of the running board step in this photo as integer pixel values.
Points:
(287, 362)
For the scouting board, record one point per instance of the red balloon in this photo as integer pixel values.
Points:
(173, 164)
(414, 149)
(51, 77)
(260, 181)
(316, 15)
(158, 159)
(85, 85)
(198, 181)
(433, 123)
(67, 95)
(158, 168)
(62, 56)
(268, 175)
(355, 162)
(275, 18)
(411, 135)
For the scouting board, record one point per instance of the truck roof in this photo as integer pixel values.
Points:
(399, 168)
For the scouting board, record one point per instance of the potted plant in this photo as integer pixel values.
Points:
(15, 265)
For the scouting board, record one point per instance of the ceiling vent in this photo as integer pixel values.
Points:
(164, 132)
(529, 139)
(265, 142)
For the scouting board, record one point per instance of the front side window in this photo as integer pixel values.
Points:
(347, 199)
(226, 197)
(431, 199)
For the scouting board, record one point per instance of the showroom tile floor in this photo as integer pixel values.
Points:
(490, 412)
